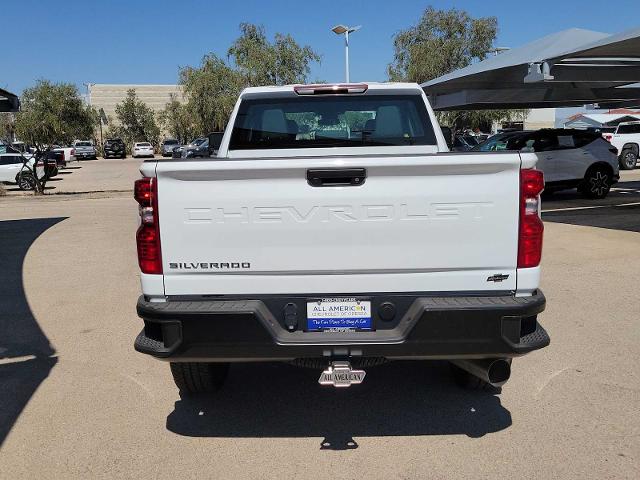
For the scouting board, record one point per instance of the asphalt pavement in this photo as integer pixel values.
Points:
(76, 401)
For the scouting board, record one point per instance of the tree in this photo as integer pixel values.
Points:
(263, 63)
(53, 113)
(176, 119)
(7, 127)
(211, 92)
(212, 89)
(136, 121)
(441, 42)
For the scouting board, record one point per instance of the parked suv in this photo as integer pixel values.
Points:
(568, 158)
(12, 168)
(626, 139)
(114, 147)
(85, 149)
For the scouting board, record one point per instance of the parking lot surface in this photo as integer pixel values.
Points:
(78, 402)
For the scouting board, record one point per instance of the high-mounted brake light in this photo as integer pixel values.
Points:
(328, 89)
(148, 235)
(531, 226)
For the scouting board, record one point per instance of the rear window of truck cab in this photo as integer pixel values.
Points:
(297, 121)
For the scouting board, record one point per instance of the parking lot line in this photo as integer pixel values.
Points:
(591, 207)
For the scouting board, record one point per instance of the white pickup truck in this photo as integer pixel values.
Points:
(335, 230)
(626, 139)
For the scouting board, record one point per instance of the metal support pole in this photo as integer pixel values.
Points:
(346, 55)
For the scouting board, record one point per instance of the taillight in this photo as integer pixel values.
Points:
(608, 137)
(531, 227)
(148, 236)
(73, 151)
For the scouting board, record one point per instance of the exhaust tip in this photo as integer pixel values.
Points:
(499, 372)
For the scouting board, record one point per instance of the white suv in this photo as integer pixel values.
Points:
(626, 139)
(568, 158)
(12, 169)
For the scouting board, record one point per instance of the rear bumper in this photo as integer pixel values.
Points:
(429, 327)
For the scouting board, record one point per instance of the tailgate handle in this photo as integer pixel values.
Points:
(333, 177)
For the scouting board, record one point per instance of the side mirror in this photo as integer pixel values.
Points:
(215, 139)
(448, 136)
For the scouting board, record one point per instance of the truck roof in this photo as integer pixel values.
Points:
(370, 86)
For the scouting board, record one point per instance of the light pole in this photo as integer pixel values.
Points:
(340, 30)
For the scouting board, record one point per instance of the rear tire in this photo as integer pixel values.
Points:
(628, 159)
(597, 183)
(196, 377)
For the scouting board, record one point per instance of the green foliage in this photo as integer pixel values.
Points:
(441, 42)
(211, 91)
(212, 88)
(53, 113)
(261, 62)
(7, 127)
(136, 122)
(177, 121)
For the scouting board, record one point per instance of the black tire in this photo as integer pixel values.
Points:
(26, 181)
(597, 182)
(194, 377)
(468, 381)
(628, 159)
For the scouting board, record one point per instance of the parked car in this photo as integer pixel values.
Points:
(626, 139)
(142, 149)
(114, 147)
(197, 148)
(168, 146)
(338, 251)
(85, 149)
(464, 143)
(69, 153)
(568, 158)
(12, 168)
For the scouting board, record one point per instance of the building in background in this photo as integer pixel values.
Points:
(107, 96)
(602, 119)
(536, 119)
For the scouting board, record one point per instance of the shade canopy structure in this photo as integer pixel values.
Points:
(570, 68)
(8, 101)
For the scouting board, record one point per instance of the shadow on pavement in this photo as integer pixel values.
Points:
(617, 211)
(26, 356)
(397, 399)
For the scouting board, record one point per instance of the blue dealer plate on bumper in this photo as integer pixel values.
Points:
(339, 314)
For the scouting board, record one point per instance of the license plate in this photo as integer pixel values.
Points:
(339, 314)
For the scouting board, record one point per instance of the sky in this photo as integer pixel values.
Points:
(144, 41)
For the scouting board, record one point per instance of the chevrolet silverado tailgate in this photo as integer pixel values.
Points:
(444, 222)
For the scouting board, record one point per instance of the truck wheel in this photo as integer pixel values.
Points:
(196, 377)
(628, 159)
(468, 381)
(597, 183)
(26, 181)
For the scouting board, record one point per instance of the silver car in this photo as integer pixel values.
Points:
(168, 146)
